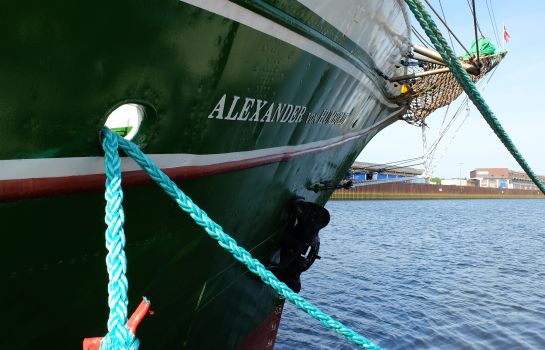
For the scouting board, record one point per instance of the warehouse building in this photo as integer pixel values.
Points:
(502, 178)
(361, 171)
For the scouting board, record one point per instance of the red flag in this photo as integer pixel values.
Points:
(506, 35)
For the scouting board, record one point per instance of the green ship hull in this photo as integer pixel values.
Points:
(248, 105)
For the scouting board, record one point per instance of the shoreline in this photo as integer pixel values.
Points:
(411, 191)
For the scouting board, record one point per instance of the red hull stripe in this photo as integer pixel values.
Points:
(263, 336)
(43, 187)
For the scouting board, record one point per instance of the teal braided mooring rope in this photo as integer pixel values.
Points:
(119, 337)
(469, 87)
(110, 141)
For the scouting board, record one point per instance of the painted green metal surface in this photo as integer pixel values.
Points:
(298, 17)
(57, 271)
(62, 75)
(64, 67)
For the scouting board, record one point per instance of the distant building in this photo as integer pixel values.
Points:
(502, 178)
(454, 182)
(361, 171)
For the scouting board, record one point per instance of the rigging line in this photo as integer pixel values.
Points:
(421, 37)
(452, 138)
(473, 14)
(433, 164)
(490, 77)
(429, 154)
(383, 169)
(495, 27)
(493, 23)
(444, 128)
(399, 167)
(476, 36)
(442, 135)
(424, 142)
(448, 28)
(433, 150)
(389, 164)
(445, 18)
(424, 152)
(444, 117)
(443, 132)
(408, 160)
(378, 182)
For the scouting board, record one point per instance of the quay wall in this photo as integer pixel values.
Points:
(400, 190)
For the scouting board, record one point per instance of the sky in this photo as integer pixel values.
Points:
(515, 93)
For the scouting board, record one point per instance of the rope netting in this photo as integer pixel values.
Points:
(432, 92)
(427, 23)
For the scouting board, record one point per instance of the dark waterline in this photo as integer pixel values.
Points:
(441, 274)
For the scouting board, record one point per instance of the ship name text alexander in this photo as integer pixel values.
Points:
(262, 111)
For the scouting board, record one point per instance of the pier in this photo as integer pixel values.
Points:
(403, 190)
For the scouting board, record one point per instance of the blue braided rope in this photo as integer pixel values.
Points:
(224, 240)
(469, 87)
(119, 337)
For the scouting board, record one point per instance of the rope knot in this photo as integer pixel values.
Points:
(125, 341)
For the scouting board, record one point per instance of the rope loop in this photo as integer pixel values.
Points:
(110, 143)
(116, 260)
(121, 330)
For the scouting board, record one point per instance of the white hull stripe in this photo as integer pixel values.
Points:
(253, 20)
(16, 169)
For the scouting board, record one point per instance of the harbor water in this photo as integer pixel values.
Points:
(427, 274)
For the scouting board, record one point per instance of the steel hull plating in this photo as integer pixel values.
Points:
(67, 67)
